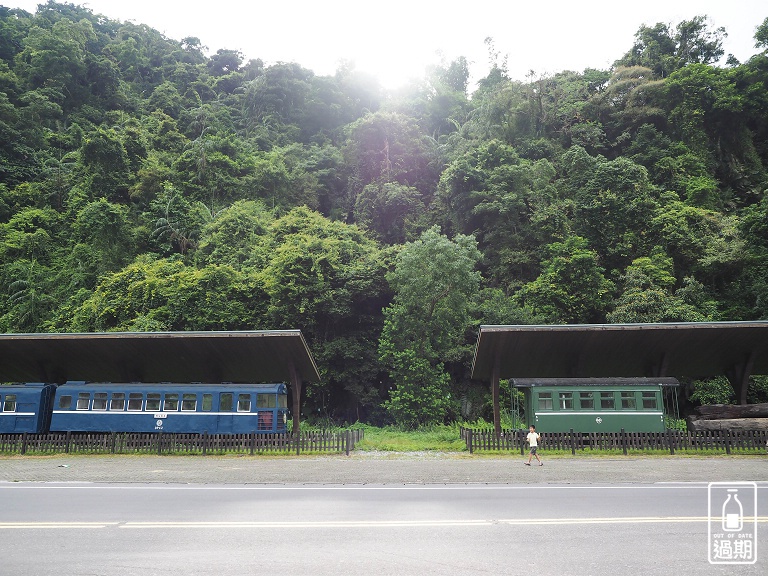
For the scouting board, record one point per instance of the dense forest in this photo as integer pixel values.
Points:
(147, 186)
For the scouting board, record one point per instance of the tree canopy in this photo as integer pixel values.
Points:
(146, 185)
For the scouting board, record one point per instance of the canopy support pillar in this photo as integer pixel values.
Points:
(660, 369)
(296, 393)
(495, 396)
(738, 376)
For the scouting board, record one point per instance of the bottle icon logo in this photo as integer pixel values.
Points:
(732, 523)
(733, 512)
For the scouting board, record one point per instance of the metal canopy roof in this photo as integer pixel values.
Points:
(615, 350)
(245, 356)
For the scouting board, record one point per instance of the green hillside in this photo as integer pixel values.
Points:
(147, 186)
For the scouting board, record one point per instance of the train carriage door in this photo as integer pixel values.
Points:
(20, 412)
(26, 413)
(9, 415)
(246, 421)
(204, 408)
(226, 413)
(282, 412)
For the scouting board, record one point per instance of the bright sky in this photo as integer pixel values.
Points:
(396, 39)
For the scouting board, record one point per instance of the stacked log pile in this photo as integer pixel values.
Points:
(730, 417)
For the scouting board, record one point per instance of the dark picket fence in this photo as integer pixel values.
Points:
(159, 443)
(719, 440)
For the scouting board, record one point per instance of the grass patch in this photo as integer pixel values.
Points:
(390, 439)
(446, 438)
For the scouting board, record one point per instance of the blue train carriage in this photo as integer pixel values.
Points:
(597, 404)
(173, 408)
(25, 408)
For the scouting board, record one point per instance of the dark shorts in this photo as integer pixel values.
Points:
(533, 449)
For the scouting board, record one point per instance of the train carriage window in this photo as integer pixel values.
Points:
(207, 402)
(153, 402)
(266, 401)
(244, 403)
(545, 400)
(65, 402)
(586, 400)
(189, 402)
(135, 401)
(607, 401)
(99, 400)
(628, 401)
(225, 402)
(171, 403)
(566, 400)
(83, 400)
(649, 400)
(282, 401)
(10, 403)
(118, 401)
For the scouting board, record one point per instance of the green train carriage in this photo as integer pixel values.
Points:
(597, 404)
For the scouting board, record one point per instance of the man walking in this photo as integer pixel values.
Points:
(533, 441)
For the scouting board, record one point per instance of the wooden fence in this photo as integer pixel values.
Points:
(160, 443)
(718, 440)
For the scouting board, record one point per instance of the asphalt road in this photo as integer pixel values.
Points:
(438, 529)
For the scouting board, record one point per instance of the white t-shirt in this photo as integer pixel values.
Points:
(533, 439)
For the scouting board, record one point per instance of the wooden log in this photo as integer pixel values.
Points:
(719, 411)
(728, 424)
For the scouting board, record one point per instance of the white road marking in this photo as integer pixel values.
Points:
(361, 523)
(627, 520)
(333, 486)
(54, 525)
